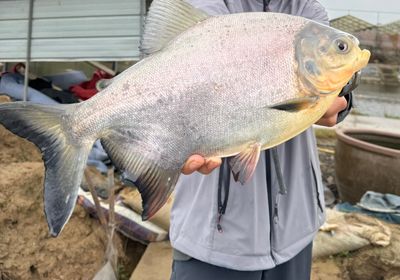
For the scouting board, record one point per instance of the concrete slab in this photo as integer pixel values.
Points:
(356, 121)
(156, 262)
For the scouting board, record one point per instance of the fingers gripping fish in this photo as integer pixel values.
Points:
(215, 86)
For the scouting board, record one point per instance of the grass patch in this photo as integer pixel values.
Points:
(392, 117)
(325, 133)
(355, 112)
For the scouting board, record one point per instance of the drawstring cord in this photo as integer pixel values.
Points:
(281, 182)
(265, 6)
(278, 171)
(224, 181)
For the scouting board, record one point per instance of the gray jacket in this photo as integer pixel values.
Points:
(261, 227)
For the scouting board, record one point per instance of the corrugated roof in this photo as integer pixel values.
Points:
(350, 24)
(392, 28)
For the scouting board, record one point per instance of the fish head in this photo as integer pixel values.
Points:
(328, 58)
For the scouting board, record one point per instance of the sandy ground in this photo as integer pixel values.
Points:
(368, 263)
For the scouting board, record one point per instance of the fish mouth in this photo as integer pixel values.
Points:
(363, 59)
(331, 84)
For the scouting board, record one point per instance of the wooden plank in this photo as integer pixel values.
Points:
(12, 50)
(72, 28)
(14, 9)
(18, 9)
(77, 49)
(156, 263)
(13, 29)
(86, 27)
(77, 8)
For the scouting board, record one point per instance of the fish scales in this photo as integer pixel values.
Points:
(214, 103)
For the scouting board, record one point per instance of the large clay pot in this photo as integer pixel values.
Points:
(366, 160)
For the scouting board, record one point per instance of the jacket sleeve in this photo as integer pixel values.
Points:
(315, 11)
(211, 7)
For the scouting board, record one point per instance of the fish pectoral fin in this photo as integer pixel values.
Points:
(144, 168)
(296, 104)
(165, 20)
(244, 164)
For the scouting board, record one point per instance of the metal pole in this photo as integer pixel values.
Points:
(28, 50)
(143, 10)
(142, 15)
(115, 66)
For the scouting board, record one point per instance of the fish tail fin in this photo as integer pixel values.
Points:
(64, 161)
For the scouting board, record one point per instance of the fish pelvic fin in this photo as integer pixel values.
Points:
(165, 20)
(244, 164)
(64, 162)
(296, 104)
(143, 166)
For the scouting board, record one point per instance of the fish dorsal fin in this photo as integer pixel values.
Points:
(165, 20)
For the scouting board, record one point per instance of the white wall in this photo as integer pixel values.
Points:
(65, 30)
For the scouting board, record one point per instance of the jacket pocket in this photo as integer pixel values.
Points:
(299, 215)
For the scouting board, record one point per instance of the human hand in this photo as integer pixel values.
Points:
(200, 164)
(335, 113)
(330, 117)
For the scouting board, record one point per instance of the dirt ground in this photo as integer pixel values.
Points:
(28, 252)
(368, 263)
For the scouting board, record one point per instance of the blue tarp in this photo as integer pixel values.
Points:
(382, 206)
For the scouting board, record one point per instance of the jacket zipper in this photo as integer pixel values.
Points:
(223, 188)
(272, 212)
(316, 187)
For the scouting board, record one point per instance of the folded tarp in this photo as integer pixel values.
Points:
(383, 206)
(12, 84)
(345, 232)
(67, 79)
(378, 202)
(88, 89)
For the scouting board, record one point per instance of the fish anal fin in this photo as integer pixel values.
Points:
(145, 168)
(165, 20)
(296, 104)
(244, 164)
(155, 186)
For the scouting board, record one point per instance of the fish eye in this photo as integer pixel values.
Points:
(341, 46)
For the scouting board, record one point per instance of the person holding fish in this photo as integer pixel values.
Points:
(242, 80)
(246, 237)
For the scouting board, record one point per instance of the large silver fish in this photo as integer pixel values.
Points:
(215, 86)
